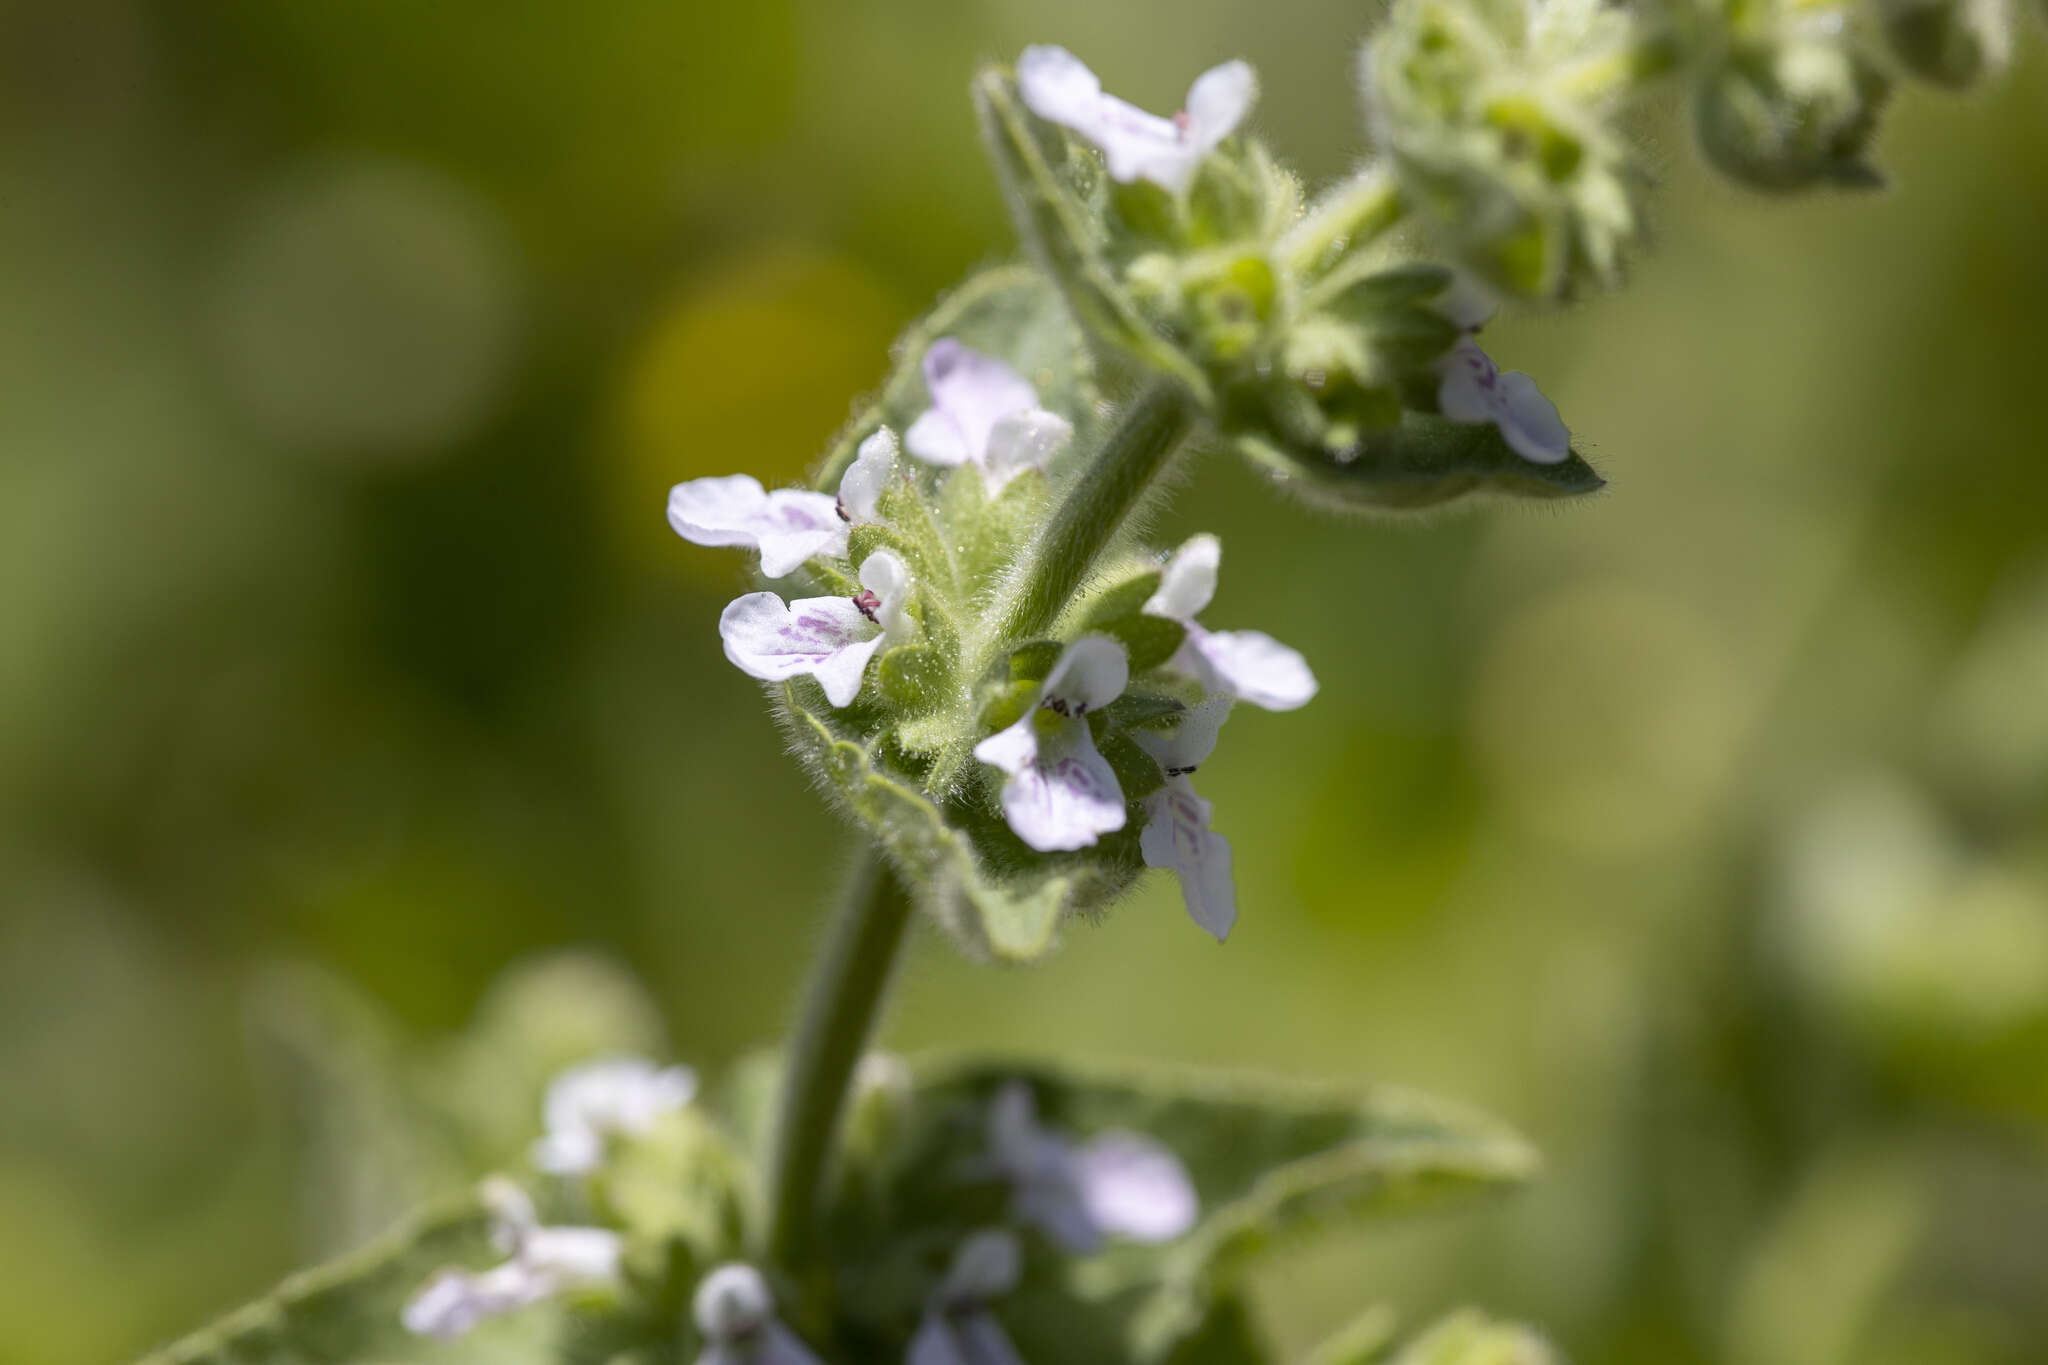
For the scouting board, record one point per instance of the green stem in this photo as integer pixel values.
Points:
(840, 1003)
(1095, 508)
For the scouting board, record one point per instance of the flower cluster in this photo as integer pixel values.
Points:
(586, 1108)
(1058, 791)
(1314, 345)
(1077, 1195)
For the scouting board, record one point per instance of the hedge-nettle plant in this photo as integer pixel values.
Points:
(1011, 694)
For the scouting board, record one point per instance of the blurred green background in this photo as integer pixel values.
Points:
(345, 659)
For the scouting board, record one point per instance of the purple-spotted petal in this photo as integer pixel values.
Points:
(1177, 836)
(1134, 1187)
(828, 638)
(787, 526)
(1471, 389)
(1066, 796)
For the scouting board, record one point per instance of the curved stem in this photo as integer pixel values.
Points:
(840, 1003)
(1095, 508)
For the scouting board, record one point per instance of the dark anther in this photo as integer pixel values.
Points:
(839, 506)
(867, 602)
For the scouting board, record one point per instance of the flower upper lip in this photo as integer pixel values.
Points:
(1059, 88)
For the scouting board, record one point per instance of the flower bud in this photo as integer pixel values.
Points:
(1794, 106)
(1499, 120)
(1949, 42)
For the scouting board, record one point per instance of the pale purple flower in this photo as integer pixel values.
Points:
(542, 1262)
(588, 1105)
(1248, 665)
(958, 1328)
(1059, 88)
(829, 638)
(1119, 1183)
(735, 1313)
(1177, 833)
(1061, 793)
(789, 525)
(1471, 388)
(983, 413)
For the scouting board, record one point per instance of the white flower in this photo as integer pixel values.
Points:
(1119, 1183)
(1061, 792)
(789, 525)
(860, 487)
(1246, 664)
(611, 1097)
(735, 1313)
(1177, 833)
(983, 413)
(1471, 389)
(542, 1262)
(1059, 88)
(957, 1328)
(830, 638)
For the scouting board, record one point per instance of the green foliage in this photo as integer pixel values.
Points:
(1274, 1163)
(1423, 462)
(346, 1313)
(1009, 913)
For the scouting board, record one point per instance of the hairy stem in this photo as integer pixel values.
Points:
(840, 1003)
(1095, 508)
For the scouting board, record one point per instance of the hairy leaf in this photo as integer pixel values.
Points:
(346, 1313)
(1008, 908)
(1268, 1157)
(1425, 461)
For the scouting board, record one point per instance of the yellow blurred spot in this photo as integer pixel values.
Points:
(751, 370)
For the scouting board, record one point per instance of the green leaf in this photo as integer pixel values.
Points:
(914, 677)
(346, 1313)
(1425, 461)
(1008, 910)
(1137, 772)
(1140, 711)
(1269, 1158)
(1123, 599)
(1150, 640)
(1064, 237)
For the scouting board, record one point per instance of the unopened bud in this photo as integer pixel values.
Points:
(1502, 130)
(1793, 110)
(1949, 42)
